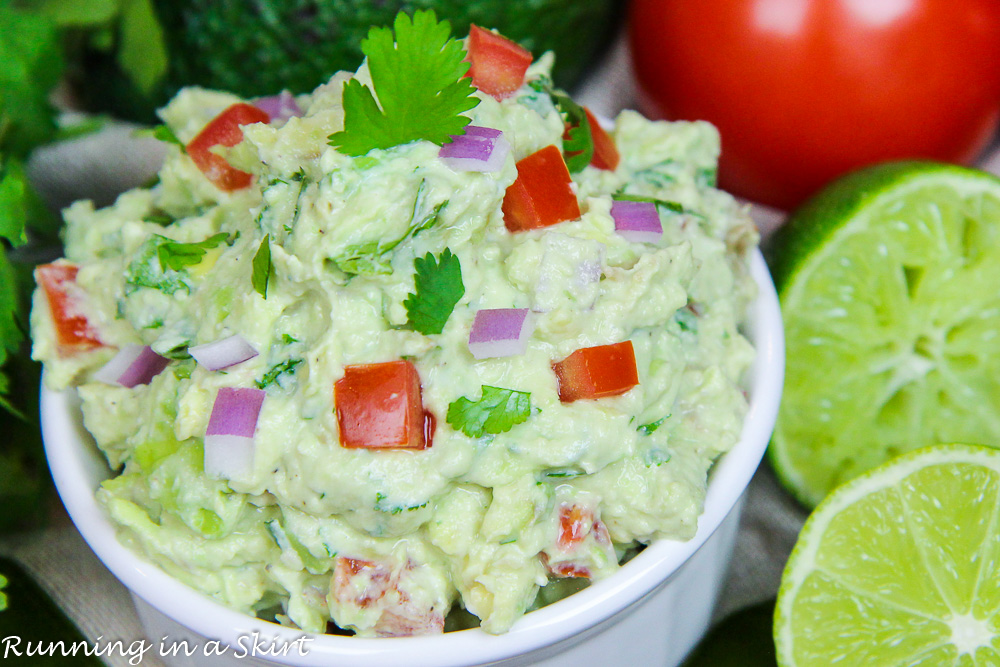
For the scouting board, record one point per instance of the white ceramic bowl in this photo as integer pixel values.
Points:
(652, 611)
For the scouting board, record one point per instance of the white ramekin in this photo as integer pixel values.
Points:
(652, 611)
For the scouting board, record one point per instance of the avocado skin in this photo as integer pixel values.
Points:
(259, 47)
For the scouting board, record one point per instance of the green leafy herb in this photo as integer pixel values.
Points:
(178, 256)
(372, 258)
(262, 267)
(561, 473)
(32, 65)
(165, 134)
(147, 270)
(438, 285)
(648, 429)
(578, 146)
(707, 176)
(498, 411)
(274, 374)
(3, 596)
(420, 81)
(142, 51)
(671, 206)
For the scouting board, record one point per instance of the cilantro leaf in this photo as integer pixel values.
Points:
(165, 134)
(420, 81)
(32, 65)
(262, 267)
(177, 256)
(11, 335)
(370, 258)
(578, 146)
(439, 286)
(648, 429)
(498, 411)
(148, 270)
(3, 596)
(142, 51)
(13, 205)
(671, 206)
(275, 373)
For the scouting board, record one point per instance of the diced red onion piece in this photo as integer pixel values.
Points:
(637, 221)
(279, 107)
(223, 353)
(479, 149)
(229, 440)
(132, 366)
(500, 332)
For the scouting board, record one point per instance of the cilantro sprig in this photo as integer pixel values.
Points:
(498, 411)
(419, 78)
(177, 256)
(262, 267)
(578, 145)
(438, 287)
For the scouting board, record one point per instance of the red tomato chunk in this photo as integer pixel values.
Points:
(541, 195)
(582, 546)
(379, 407)
(605, 152)
(359, 582)
(497, 65)
(597, 372)
(224, 130)
(74, 333)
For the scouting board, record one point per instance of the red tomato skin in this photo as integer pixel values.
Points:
(605, 152)
(345, 569)
(803, 92)
(224, 130)
(496, 64)
(541, 195)
(379, 407)
(597, 372)
(74, 333)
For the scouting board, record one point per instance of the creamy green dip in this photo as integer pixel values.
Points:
(468, 522)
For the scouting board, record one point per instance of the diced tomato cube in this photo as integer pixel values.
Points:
(360, 582)
(224, 130)
(542, 194)
(582, 545)
(379, 407)
(74, 332)
(496, 64)
(597, 372)
(605, 152)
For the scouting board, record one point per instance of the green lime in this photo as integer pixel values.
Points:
(890, 292)
(900, 566)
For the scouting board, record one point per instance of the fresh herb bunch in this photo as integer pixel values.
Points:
(31, 51)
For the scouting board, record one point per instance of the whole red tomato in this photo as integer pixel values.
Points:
(805, 90)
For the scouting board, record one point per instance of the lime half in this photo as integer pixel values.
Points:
(890, 292)
(900, 567)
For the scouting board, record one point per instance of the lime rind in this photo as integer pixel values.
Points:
(979, 611)
(887, 283)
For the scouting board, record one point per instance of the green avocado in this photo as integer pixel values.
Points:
(260, 47)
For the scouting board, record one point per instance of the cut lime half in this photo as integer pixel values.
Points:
(900, 567)
(890, 292)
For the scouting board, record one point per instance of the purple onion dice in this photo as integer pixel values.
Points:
(637, 221)
(279, 107)
(132, 366)
(229, 440)
(479, 149)
(500, 332)
(223, 353)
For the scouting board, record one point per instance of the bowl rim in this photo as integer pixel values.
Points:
(78, 468)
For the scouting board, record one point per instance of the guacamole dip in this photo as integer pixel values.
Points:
(375, 386)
